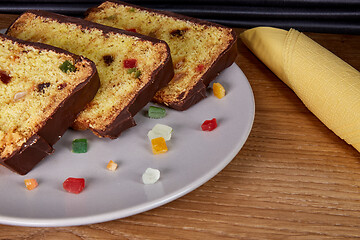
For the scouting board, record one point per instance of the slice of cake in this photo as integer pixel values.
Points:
(132, 67)
(199, 49)
(42, 90)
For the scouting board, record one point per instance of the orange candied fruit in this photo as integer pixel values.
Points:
(111, 166)
(219, 90)
(158, 145)
(30, 183)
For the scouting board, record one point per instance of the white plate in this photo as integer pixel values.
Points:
(193, 158)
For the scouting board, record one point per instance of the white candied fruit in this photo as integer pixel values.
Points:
(150, 176)
(160, 130)
(19, 95)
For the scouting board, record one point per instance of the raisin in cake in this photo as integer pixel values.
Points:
(42, 90)
(199, 49)
(132, 67)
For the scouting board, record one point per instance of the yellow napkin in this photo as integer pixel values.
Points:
(329, 87)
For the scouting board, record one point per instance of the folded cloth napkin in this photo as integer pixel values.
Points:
(329, 87)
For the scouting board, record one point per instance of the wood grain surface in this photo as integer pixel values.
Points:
(293, 179)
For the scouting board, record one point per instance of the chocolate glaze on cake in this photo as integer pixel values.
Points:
(40, 144)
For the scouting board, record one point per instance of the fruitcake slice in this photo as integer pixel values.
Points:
(42, 90)
(199, 49)
(132, 67)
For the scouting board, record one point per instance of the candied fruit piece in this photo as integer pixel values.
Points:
(61, 86)
(41, 86)
(19, 95)
(111, 17)
(4, 77)
(156, 112)
(131, 29)
(158, 145)
(200, 67)
(178, 32)
(160, 130)
(74, 185)
(79, 145)
(30, 183)
(219, 90)
(209, 125)
(136, 72)
(130, 63)
(108, 59)
(151, 176)
(112, 166)
(67, 66)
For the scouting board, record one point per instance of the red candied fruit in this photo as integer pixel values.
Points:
(200, 67)
(209, 125)
(131, 30)
(74, 185)
(130, 63)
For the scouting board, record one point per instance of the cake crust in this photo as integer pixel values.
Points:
(197, 91)
(39, 145)
(81, 22)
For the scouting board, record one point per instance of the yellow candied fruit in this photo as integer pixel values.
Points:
(112, 166)
(219, 90)
(30, 183)
(158, 145)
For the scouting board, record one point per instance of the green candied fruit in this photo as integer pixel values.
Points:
(67, 66)
(136, 72)
(156, 112)
(111, 17)
(79, 145)
(131, 70)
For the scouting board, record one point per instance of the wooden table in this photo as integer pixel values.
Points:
(293, 179)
